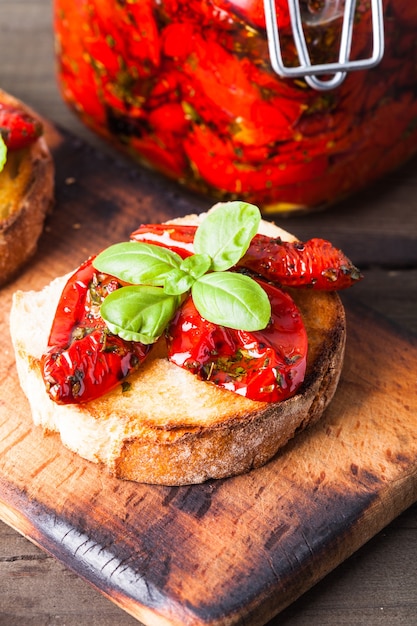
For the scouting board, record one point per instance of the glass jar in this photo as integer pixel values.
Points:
(187, 88)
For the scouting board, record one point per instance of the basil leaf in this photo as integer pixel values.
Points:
(225, 234)
(136, 262)
(138, 312)
(177, 282)
(3, 153)
(232, 300)
(180, 280)
(196, 265)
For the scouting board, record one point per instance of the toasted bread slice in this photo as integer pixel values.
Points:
(26, 196)
(170, 428)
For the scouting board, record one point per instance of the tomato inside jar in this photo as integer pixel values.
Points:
(187, 87)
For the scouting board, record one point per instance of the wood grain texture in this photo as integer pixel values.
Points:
(227, 552)
(374, 587)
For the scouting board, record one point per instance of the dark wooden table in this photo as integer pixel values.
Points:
(378, 229)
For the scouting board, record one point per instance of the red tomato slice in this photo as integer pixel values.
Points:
(84, 360)
(315, 263)
(177, 237)
(17, 128)
(267, 365)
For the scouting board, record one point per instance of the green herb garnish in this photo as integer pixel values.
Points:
(3, 153)
(160, 279)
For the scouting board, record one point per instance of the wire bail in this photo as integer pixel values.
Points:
(338, 70)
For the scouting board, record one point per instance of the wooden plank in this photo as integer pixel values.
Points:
(227, 551)
(282, 527)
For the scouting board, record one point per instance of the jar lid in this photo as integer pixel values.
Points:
(329, 10)
(292, 16)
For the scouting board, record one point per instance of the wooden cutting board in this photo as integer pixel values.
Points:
(227, 552)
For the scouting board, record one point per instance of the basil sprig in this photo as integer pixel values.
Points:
(3, 153)
(160, 279)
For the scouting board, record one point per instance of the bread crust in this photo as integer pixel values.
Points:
(26, 197)
(170, 428)
(249, 433)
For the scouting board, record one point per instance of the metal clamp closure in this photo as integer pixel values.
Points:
(337, 70)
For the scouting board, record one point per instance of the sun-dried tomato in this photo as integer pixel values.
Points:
(187, 87)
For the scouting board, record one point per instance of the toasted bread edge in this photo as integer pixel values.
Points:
(32, 200)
